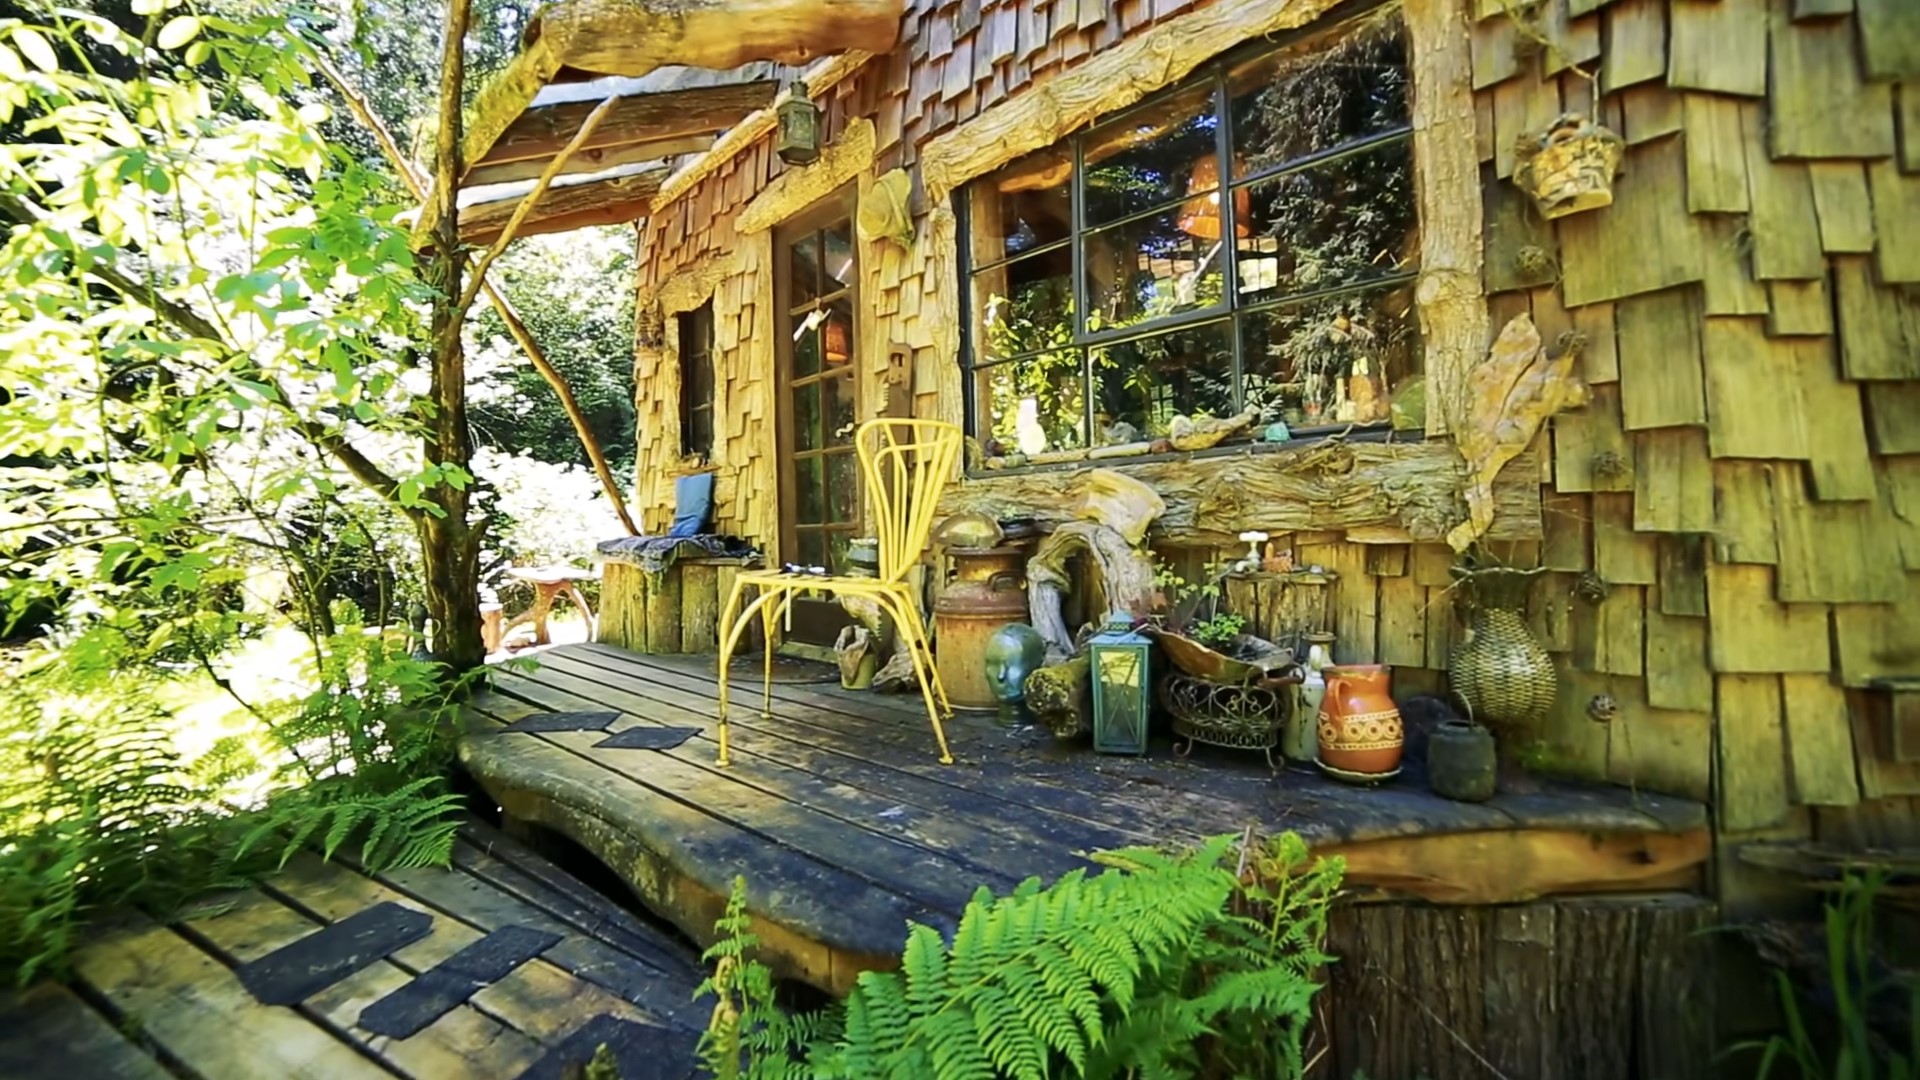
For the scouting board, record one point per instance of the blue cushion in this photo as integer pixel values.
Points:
(692, 504)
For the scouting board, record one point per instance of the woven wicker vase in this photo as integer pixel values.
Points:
(1498, 668)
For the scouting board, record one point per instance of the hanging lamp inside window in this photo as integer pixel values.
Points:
(1200, 215)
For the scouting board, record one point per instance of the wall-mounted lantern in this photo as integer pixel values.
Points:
(797, 129)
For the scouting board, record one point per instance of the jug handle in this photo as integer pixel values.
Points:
(1336, 689)
(1011, 580)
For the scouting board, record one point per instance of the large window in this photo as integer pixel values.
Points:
(1247, 241)
(696, 380)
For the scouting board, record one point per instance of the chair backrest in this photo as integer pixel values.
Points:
(906, 465)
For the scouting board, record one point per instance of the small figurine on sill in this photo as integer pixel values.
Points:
(1250, 562)
(1277, 560)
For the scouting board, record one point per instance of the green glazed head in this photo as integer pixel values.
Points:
(1014, 652)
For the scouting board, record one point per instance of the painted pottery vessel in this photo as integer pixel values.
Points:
(1461, 761)
(1360, 728)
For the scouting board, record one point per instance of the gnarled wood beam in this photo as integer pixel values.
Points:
(596, 202)
(1402, 491)
(636, 118)
(633, 37)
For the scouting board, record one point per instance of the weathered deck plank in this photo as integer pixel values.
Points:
(845, 826)
(152, 1000)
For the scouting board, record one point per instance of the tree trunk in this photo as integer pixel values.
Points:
(449, 543)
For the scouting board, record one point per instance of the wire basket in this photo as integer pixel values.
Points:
(1237, 716)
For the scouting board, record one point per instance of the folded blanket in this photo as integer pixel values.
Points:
(655, 554)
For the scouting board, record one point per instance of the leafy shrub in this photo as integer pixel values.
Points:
(1164, 965)
(1873, 1031)
(100, 806)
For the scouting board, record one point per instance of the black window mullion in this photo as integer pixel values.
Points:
(1077, 199)
(1229, 233)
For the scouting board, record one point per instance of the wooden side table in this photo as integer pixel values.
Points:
(549, 583)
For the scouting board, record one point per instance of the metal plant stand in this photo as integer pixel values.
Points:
(1246, 716)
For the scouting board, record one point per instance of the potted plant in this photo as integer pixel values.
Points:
(1207, 643)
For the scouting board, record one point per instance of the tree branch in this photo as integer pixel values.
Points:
(362, 109)
(526, 206)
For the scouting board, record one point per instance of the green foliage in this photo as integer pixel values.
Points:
(1860, 989)
(100, 805)
(1164, 965)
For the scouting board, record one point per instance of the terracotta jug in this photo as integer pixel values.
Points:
(1360, 729)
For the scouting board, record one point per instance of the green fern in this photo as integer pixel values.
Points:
(1163, 965)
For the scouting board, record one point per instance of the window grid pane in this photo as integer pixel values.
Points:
(1312, 239)
(696, 380)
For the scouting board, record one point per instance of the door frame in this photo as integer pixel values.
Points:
(841, 204)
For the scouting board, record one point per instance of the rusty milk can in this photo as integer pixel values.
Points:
(988, 590)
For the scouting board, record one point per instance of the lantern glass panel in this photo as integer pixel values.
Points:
(1121, 703)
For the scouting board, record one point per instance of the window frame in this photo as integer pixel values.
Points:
(1216, 72)
(687, 356)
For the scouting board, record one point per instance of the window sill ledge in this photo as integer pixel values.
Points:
(1305, 440)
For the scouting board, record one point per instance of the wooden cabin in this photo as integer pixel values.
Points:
(1063, 224)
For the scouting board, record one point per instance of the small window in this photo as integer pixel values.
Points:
(1244, 241)
(696, 381)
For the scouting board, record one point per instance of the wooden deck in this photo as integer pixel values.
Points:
(846, 827)
(156, 1001)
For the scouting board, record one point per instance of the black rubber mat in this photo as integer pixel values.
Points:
(640, 1051)
(444, 986)
(293, 973)
(647, 738)
(564, 721)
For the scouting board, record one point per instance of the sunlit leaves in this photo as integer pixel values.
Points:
(178, 31)
(36, 48)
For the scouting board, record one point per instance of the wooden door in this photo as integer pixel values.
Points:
(820, 486)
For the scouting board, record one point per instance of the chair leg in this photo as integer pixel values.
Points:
(769, 621)
(733, 622)
(913, 635)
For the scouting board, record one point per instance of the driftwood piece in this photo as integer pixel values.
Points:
(1408, 492)
(1120, 502)
(1510, 395)
(1061, 696)
(634, 37)
(1117, 571)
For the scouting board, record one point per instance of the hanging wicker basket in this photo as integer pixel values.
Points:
(1570, 166)
(1499, 670)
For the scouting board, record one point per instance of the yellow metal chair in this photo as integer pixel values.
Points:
(905, 465)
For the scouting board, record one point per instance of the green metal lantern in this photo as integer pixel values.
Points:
(1121, 689)
(796, 136)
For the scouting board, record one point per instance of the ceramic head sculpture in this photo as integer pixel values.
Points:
(1013, 652)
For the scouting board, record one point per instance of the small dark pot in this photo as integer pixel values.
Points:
(1461, 761)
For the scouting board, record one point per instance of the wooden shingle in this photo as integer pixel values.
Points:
(1752, 632)
(1893, 411)
(1650, 111)
(1752, 775)
(1676, 667)
(1719, 46)
(1818, 105)
(1729, 287)
(1660, 371)
(1754, 409)
(1799, 308)
(1743, 512)
(1840, 466)
(1784, 227)
(1590, 437)
(1819, 741)
(1896, 209)
(1621, 556)
(1843, 206)
(1831, 552)
(1645, 241)
(1909, 108)
(1636, 49)
(1889, 38)
(1879, 327)
(1880, 640)
(1900, 487)
(1683, 574)
(1522, 109)
(1673, 482)
(1716, 153)
(1609, 637)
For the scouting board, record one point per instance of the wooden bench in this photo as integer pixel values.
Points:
(676, 611)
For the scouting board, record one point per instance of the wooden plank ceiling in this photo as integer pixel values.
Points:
(577, 54)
